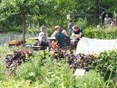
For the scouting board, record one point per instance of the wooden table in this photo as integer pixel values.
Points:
(34, 38)
(15, 43)
(72, 38)
(40, 47)
(49, 38)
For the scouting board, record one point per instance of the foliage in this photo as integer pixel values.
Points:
(107, 66)
(81, 23)
(41, 70)
(101, 33)
(50, 31)
(91, 79)
(15, 13)
(33, 29)
(110, 3)
(75, 61)
(33, 12)
(31, 70)
(2, 71)
(13, 84)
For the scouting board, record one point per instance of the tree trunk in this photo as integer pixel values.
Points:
(96, 9)
(24, 28)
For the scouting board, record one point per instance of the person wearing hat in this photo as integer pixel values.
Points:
(56, 30)
(53, 42)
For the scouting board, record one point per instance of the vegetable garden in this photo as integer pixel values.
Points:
(21, 67)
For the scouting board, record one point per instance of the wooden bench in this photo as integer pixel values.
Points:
(38, 47)
(15, 43)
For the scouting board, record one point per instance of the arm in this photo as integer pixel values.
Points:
(54, 34)
(77, 35)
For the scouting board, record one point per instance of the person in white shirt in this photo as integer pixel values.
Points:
(107, 20)
(43, 41)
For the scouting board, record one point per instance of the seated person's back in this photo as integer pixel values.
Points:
(67, 38)
(66, 35)
(60, 37)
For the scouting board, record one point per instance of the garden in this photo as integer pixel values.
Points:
(22, 67)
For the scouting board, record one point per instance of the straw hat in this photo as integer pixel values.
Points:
(56, 27)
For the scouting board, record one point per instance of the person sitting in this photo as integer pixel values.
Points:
(65, 33)
(60, 37)
(53, 42)
(112, 23)
(43, 41)
(76, 35)
(67, 38)
(56, 30)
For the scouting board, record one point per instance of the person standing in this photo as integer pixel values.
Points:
(107, 20)
(70, 25)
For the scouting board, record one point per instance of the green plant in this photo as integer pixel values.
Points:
(92, 32)
(81, 23)
(106, 65)
(90, 79)
(2, 70)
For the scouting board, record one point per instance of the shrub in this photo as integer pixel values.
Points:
(90, 79)
(100, 34)
(106, 65)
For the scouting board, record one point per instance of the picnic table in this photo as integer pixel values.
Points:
(35, 47)
(50, 39)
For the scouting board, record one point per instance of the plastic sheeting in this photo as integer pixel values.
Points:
(89, 46)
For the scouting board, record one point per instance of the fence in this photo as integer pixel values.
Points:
(6, 37)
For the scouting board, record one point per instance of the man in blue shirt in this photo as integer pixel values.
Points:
(76, 34)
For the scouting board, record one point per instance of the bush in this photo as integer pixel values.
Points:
(90, 79)
(106, 65)
(81, 23)
(100, 34)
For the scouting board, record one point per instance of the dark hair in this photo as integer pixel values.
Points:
(60, 29)
(70, 20)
